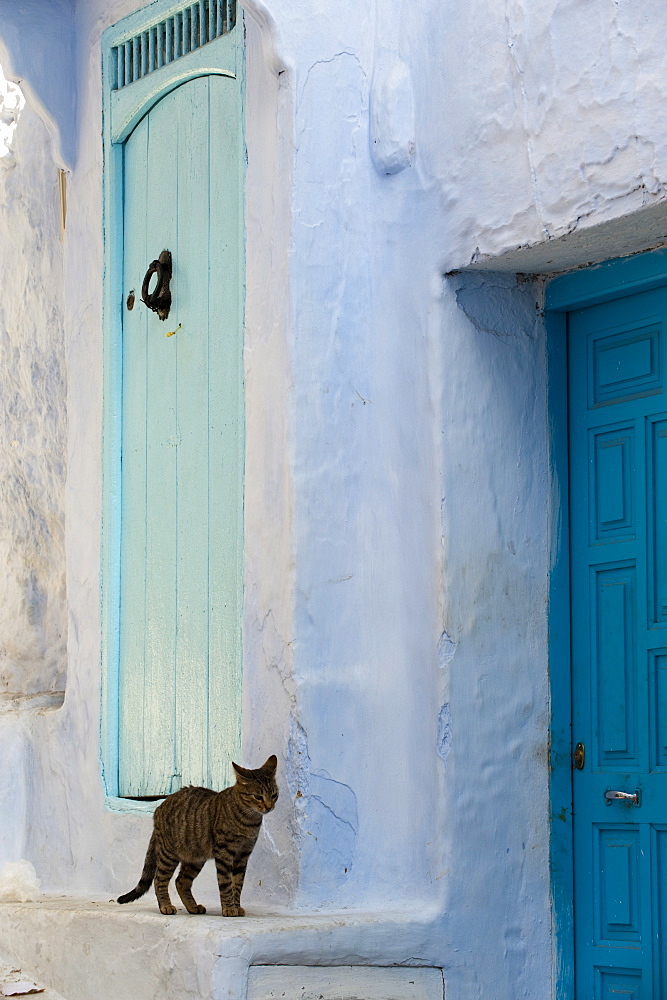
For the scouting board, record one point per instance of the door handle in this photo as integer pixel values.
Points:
(159, 300)
(623, 796)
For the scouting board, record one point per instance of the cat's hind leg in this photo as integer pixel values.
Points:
(189, 871)
(166, 866)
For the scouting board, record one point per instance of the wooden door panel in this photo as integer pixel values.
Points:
(617, 863)
(614, 667)
(618, 554)
(182, 424)
(157, 508)
(613, 505)
(612, 983)
(657, 517)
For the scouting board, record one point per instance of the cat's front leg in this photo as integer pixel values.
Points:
(229, 900)
(238, 875)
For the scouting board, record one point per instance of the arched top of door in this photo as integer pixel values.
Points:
(161, 47)
(125, 123)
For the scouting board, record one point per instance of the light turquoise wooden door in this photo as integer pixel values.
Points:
(179, 682)
(618, 554)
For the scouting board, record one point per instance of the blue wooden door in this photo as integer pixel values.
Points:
(181, 472)
(618, 496)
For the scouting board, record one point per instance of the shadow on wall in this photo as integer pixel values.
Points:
(33, 422)
(508, 306)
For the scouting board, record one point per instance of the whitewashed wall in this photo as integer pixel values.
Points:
(397, 488)
(33, 420)
(551, 120)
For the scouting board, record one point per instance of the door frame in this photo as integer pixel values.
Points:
(122, 109)
(586, 287)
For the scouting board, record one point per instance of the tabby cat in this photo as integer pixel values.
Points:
(195, 824)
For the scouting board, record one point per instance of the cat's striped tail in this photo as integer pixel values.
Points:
(147, 875)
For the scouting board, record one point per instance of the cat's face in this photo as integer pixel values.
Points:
(257, 788)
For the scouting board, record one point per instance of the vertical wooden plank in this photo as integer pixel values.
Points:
(133, 490)
(194, 26)
(193, 381)
(151, 50)
(169, 42)
(226, 428)
(161, 459)
(144, 52)
(160, 44)
(111, 455)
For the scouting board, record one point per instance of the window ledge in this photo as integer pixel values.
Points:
(116, 804)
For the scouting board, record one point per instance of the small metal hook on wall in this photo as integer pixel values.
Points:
(159, 300)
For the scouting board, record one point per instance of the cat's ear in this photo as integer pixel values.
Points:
(269, 766)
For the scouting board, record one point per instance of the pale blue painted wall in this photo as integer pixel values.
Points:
(397, 493)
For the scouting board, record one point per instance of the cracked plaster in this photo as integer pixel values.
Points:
(33, 424)
(444, 732)
(567, 120)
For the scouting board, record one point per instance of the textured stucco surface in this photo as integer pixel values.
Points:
(157, 953)
(397, 484)
(33, 423)
(563, 129)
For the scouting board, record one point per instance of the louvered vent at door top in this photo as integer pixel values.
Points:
(175, 36)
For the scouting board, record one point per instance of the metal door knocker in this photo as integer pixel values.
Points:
(159, 300)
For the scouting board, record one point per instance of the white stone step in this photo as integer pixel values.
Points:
(98, 950)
